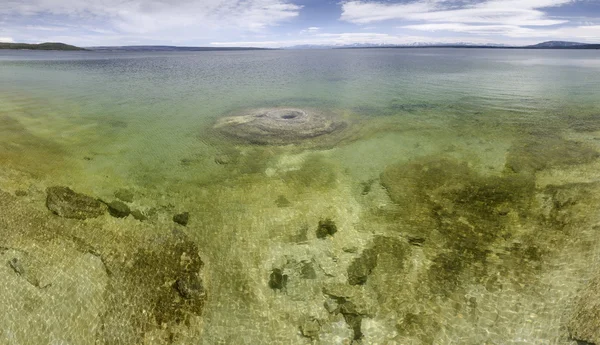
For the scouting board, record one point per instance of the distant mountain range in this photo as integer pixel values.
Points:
(543, 45)
(564, 45)
(169, 48)
(40, 46)
(62, 46)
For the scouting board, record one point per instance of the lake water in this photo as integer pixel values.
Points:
(459, 200)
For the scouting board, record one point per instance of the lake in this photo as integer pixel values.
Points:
(374, 196)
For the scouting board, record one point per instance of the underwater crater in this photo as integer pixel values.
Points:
(281, 126)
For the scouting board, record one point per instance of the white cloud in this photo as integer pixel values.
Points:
(340, 39)
(310, 30)
(583, 33)
(479, 18)
(143, 16)
(503, 12)
(6, 40)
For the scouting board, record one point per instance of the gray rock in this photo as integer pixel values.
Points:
(331, 305)
(118, 209)
(585, 320)
(66, 203)
(182, 218)
(124, 195)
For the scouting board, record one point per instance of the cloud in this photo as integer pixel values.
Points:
(6, 40)
(187, 17)
(490, 18)
(497, 12)
(340, 39)
(310, 30)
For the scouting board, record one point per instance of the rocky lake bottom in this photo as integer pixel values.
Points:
(424, 197)
(403, 230)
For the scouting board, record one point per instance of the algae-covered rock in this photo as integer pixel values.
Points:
(182, 218)
(64, 202)
(310, 328)
(137, 214)
(124, 195)
(547, 151)
(118, 209)
(282, 201)
(361, 267)
(326, 228)
(585, 321)
(277, 279)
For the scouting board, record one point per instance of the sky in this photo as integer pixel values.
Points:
(284, 23)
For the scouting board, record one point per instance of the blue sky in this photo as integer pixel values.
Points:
(280, 23)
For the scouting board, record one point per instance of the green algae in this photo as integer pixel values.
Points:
(361, 267)
(316, 173)
(467, 213)
(547, 150)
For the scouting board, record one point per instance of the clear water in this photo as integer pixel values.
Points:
(98, 122)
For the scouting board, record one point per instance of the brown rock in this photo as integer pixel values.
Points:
(66, 203)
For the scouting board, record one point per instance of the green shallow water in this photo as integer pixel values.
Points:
(463, 192)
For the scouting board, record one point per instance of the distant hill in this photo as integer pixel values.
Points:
(557, 44)
(169, 48)
(544, 45)
(564, 45)
(41, 46)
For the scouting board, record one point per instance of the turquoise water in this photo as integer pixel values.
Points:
(502, 131)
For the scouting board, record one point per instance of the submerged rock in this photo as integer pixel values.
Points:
(15, 264)
(124, 195)
(360, 269)
(310, 328)
(182, 218)
(282, 201)
(137, 214)
(190, 287)
(118, 209)
(277, 280)
(280, 126)
(585, 321)
(66, 203)
(326, 228)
